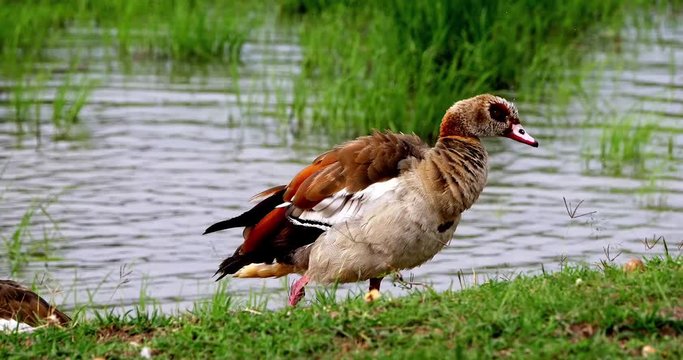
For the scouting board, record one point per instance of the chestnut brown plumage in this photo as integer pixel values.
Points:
(374, 205)
(23, 305)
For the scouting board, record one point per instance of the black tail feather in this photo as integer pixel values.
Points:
(225, 224)
(250, 217)
(231, 265)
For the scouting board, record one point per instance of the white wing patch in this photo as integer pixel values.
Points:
(11, 325)
(342, 206)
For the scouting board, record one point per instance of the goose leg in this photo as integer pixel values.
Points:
(297, 291)
(373, 293)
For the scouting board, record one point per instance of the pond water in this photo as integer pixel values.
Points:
(170, 152)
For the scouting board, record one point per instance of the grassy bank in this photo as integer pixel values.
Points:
(579, 311)
(399, 64)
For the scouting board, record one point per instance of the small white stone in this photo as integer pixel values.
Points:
(578, 282)
(648, 350)
(146, 353)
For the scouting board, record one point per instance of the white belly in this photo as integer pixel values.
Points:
(399, 232)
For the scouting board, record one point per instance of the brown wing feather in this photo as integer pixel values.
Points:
(22, 304)
(266, 193)
(353, 166)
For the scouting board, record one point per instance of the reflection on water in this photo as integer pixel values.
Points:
(168, 156)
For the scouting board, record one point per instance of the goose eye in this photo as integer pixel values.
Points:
(498, 112)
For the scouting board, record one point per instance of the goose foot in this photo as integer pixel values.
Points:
(373, 294)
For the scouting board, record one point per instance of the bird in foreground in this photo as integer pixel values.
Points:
(21, 308)
(371, 206)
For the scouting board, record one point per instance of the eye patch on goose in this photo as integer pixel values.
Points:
(499, 112)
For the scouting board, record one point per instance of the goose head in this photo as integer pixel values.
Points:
(484, 116)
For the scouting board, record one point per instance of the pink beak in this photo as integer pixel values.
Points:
(518, 133)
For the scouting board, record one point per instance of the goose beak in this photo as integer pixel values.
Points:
(516, 132)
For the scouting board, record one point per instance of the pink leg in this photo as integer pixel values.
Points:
(297, 292)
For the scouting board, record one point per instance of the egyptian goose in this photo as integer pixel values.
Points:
(372, 206)
(22, 308)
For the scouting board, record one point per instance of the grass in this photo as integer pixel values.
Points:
(180, 29)
(578, 311)
(623, 142)
(399, 64)
(23, 100)
(381, 64)
(16, 258)
(160, 32)
(68, 102)
(630, 145)
(22, 247)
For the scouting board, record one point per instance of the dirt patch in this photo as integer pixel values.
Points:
(125, 334)
(663, 326)
(675, 313)
(349, 345)
(504, 353)
(581, 331)
(427, 331)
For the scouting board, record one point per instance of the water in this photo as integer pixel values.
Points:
(170, 154)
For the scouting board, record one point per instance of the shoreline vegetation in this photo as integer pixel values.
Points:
(604, 311)
(387, 64)
(44, 41)
(397, 65)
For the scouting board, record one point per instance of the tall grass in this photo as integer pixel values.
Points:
(399, 64)
(623, 142)
(184, 30)
(14, 243)
(21, 99)
(630, 145)
(68, 102)
(29, 27)
(20, 246)
(178, 31)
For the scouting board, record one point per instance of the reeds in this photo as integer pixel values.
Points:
(14, 243)
(400, 64)
(20, 245)
(180, 29)
(623, 142)
(183, 31)
(68, 102)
